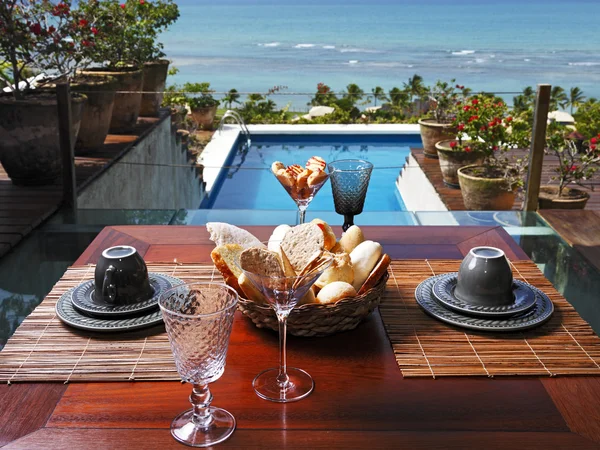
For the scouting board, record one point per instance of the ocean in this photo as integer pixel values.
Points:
(501, 47)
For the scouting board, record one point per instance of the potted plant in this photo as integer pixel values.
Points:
(573, 168)
(37, 36)
(176, 101)
(126, 36)
(490, 185)
(203, 106)
(438, 125)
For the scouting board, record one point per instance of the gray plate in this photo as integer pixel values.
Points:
(69, 315)
(537, 315)
(443, 290)
(83, 298)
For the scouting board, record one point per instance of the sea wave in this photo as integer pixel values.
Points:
(584, 63)
(358, 50)
(304, 45)
(329, 47)
(464, 52)
(270, 44)
(353, 61)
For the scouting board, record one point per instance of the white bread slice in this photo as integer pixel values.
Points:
(251, 292)
(260, 261)
(225, 257)
(364, 258)
(302, 244)
(223, 233)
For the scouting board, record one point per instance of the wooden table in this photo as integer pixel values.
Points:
(361, 399)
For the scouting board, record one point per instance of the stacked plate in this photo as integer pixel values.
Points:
(530, 306)
(78, 308)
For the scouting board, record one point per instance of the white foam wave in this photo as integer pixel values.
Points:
(270, 44)
(358, 50)
(584, 63)
(464, 52)
(304, 45)
(526, 60)
(353, 61)
(329, 47)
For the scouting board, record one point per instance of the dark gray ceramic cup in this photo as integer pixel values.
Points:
(485, 278)
(121, 277)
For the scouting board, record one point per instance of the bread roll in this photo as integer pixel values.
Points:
(364, 258)
(328, 234)
(337, 248)
(335, 291)
(309, 297)
(277, 166)
(277, 237)
(340, 270)
(250, 291)
(376, 273)
(351, 239)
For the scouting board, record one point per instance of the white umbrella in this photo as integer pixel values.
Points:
(318, 111)
(561, 117)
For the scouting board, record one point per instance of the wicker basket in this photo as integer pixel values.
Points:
(313, 319)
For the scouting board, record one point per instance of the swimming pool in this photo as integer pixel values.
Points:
(246, 181)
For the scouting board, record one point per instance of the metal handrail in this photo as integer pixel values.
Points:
(238, 118)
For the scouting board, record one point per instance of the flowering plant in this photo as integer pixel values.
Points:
(573, 167)
(484, 126)
(127, 32)
(443, 98)
(41, 35)
(324, 96)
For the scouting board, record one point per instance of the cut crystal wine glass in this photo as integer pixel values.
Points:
(284, 384)
(349, 182)
(198, 318)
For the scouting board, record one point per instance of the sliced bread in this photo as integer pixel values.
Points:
(376, 273)
(302, 243)
(260, 261)
(225, 257)
(223, 233)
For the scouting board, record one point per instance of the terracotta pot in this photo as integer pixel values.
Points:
(29, 137)
(155, 78)
(452, 160)
(485, 194)
(570, 199)
(433, 132)
(205, 117)
(127, 104)
(97, 113)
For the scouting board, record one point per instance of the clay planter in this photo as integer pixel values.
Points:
(205, 117)
(29, 137)
(433, 132)
(484, 194)
(97, 113)
(127, 105)
(155, 78)
(570, 199)
(452, 160)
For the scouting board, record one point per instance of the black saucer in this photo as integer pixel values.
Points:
(83, 301)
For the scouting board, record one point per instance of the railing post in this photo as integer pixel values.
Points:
(538, 143)
(63, 96)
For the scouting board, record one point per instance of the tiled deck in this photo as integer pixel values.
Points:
(452, 198)
(24, 208)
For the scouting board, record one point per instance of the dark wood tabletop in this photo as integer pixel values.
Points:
(360, 400)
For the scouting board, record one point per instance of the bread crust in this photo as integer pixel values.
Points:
(376, 274)
(328, 234)
(222, 257)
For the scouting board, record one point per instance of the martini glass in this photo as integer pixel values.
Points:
(349, 182)
(284, 384)
(303, 195)
(198, 318)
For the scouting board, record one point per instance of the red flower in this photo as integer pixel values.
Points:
(36, 29)
(94, 30)
(466, 108)
(122, 5)
(142, 2)
(593, 146)
(461, 126)
(492, 123)
(472, 118)
(593, 140)
(83, 23)
(452, 144)
(475, 101)
(573, 168)
(467, 149)
(458, 86)
(51, 29)
(495, 147)
(508, 119)
(85, 43)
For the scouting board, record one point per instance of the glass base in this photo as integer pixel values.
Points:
(186, 432)
(300, 385)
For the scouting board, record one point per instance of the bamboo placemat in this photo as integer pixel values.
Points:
(426, 347)
(43, 349)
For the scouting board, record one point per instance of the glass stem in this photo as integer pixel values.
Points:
(348, 221)
(301, 214)
(200, 399)
(282, 377)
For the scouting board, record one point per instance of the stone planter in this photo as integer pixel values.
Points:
(433, 132)
(155, 78)
(97, 113)
(570, 199)
(29, 137)
(452, 160)
(484, 194)
(205, 117)
(126, 108)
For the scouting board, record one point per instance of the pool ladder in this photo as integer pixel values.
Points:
(239, 120)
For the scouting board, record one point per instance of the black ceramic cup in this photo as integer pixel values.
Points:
(485, 278)
(121, 277)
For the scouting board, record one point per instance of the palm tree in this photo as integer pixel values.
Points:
(399, 97)
(254, 98)
(558, 97)
(415, 86)
(529, 94)
(231, 97)
(576, 98)
(379, 94)
(354, 93)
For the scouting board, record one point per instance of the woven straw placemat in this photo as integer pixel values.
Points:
(43, 349)
(426, 347)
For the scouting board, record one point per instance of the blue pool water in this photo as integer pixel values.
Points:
(247, 181)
